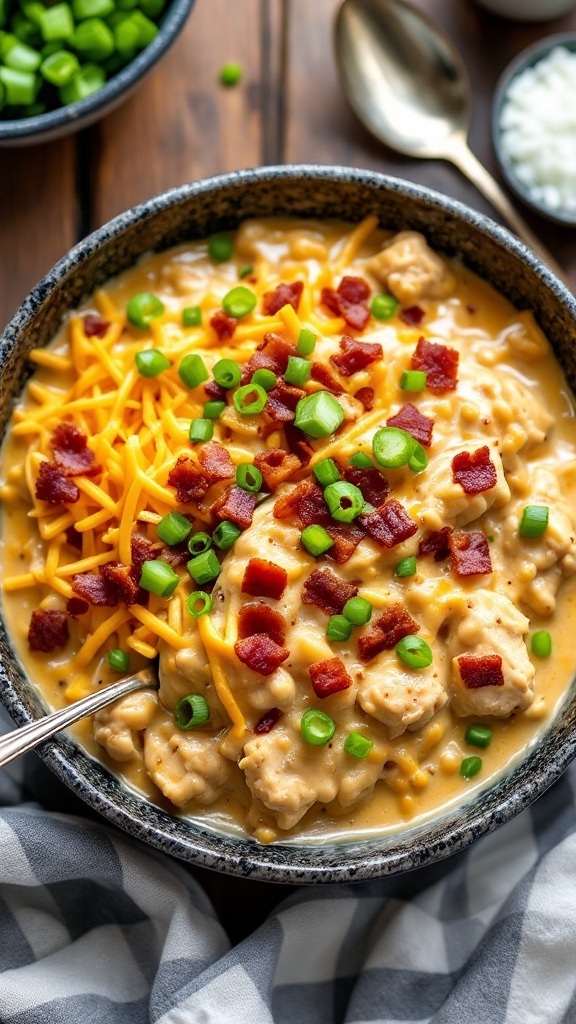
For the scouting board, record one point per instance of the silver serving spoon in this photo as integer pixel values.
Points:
(21, 740)
(409, 87)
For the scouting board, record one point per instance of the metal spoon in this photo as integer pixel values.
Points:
(409, 87)
(21, 740)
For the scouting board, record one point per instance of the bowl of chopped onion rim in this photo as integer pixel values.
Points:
(305, 437)
(64, 66)
(534, 127)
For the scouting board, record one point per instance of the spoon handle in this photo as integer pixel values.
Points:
(19, 741)
(464, 158)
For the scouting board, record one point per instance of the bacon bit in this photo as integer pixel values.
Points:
(390, 524)
(355, 355)
(410, 419)
(276, 466)
(142, 550)
(47, 631)
(260, 653)
(223, 324)
(95, 326)
(329, 677)
(390, 628)
(52, 486)
(327, 591)
(215, 391)
(354, 289)
(71, 452)
(264, 579)
(216, 462)
(189, 481)
(470, 553)
(75, 606)
(281, 405)
(348, 301)
(121, 582)
(321, 374)
(94, 589)
(439, 363)
(257, 618)
(272, 354)
(476, 672)
(370, 482)
(283, 295)
(73, 538)
(413, 316)
(268, 721)
(436, 543)
(176, 555)
(346, 537)
(297, 443)
(236, 505)
(306, 503)
(475, 472)
(366, 396)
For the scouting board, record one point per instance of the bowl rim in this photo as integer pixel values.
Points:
(527, 57)
(460, 824)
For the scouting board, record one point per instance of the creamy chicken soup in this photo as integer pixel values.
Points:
(329, 479)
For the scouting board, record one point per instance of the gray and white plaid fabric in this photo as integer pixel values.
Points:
(96, 928)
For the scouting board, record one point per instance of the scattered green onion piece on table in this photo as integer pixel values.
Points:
(59, 67)
(192, 371)
(478, 735)
(230, 74)
(86, 81)
(119, 660)
(541, 644)
(199, 543)
(339, 628)
(419, 459)
(358, 611)
(316, 540)
(414, 652)
(534, 521)
(319, 415)
(205, 567)
(245, 272)
(383, 307)
(317, 727)
(201, 430)
(361, 461)
(358, 745)
(143, 308)
(93, 40)
(326, 472)
(345, 501)
(249, 477)
(297, 371)
(239, 302)
(191, 316)
(413, 380)
(159, 578)
(306, 342)
(174, 528)
(226, 534)
(220, 248)
(214, 410)
(57, 23)
(191, 711)
(151, 362)
(250, 400)
(265, 378)
(392, 447)
(406, 566)
(205, 606)
(227, 373)
(21, 87)
(470, 767)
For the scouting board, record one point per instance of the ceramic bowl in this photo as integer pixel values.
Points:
(65, 120)
(194, 211)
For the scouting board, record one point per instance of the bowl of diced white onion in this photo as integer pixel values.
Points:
(534, 127)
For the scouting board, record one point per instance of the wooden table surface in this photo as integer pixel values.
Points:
(182, 125)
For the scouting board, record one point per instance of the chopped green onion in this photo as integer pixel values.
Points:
(21, 87)
(541, 643)
(470, 767)
(204, 567)
(413, 380)
(143, 308)
(326, 472)
(230, 74)
(191, 711)
(59, 67)
(226, 534)
(392, 447)
(201, 430)
(248, 477)
(361, 461)
(174, 528)
(478, 735)
(265, 378)
(414, 652)
(119, 660)
(206, 604)
(358, 745)
(191, 316)
(306, 342)
(94, 40)
(192, 371)
(158, 578)
(151, 362)
(319, 415)
(56, 23)
(250, 400)
(534, 521)
(344, 500)
(213, 410)
(239, 302)
(199, 543)
(339, 628)
(317, 727)
(419, 459)
(245, 272)
(297, 371)
(358, 611)
(406, 567)
(86, 81)
(227, 373)
(316, 540)
(220, 248)
(383, 307)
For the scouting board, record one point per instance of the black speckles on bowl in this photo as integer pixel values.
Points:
(194, 211)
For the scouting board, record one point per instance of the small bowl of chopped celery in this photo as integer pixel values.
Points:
(65, 65)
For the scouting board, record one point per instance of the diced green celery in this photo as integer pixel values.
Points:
(25, 30)
(147, 30)
(82, 9)
(33, 10)
(57, 23)
(49, 48)
(21, 86)
(59, 67)
(126, 36)
(126, 5)
(94, 40)
(116, 18)
(151, 8)
(89, 79)
(21, 57)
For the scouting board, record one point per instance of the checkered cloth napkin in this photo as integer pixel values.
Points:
(95, 928)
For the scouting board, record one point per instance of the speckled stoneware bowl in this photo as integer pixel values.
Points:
(194, 211)
(54, 124)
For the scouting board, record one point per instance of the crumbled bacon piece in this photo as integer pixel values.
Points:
(268, 721)
(260, 653)
(276, 466)
(141, 550)
(349, 301)
(413, 316)
(272, 354)
(283, 295)
(410, 419)
(75, 606)
(95, 326)
(355, 355)
(264, 579)
(354, 289)
(329, 677)
(47, 631)
(327, 591)
(366, 396)
(321, 374)
(306, 503)
(474, 471)
(476, 672)
(281, 405)
(214, 391)
(370, 482)
(122, 582)
(52, 486)
(237, 505)
(71, 453)
(470, 553)
(73, 538)
(256, 617)
(298, 443)
(215, 461)
(176, 555)
(223, 324)
(346, 537)
(389, 629)
(94, 589)
(189, 481)
(439, 363)
(389, 525)
(436, 543)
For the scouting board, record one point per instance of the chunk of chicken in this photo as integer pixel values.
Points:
(444, 501)
(117, 728)
(184, 765)
(410, 270)
(400, 697)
